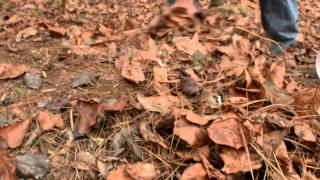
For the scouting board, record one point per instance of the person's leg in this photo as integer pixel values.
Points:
(279, 19)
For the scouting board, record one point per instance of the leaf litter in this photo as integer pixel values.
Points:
(207, 99)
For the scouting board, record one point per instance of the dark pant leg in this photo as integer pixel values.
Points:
(279, 19)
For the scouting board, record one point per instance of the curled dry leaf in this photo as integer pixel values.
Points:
(160, 74)
(226, 132)
(48, 120)
(190, 116)
(119, 174)
(91, 110)
(14, 134)
(194, 154)
(132, 71)
(26, 33)
(142, 171)
(305, 132)
(236, 161)
(189, 46)
(277, 73)
(161, 104)
(7, 167)
(191, 134)
(149, 135)
(9, 71)
(195, 172)
(212, 172)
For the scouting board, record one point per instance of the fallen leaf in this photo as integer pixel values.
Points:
(13, 135)
(160, 74)
(85, 161)
(142, 171)
(91, 110)
(212, 172)
(194, 154)
(26, 33)
(12, 20)
(275, 94)
(132, 71)
(190, 116)
(191, 134)
(84, 78)
(7, 167)
(161, 104)
(189, 46)
(149, 135)
(236, 161)
(48, 120)
(119, 174)
(226, 132)
(305, 132)
(9, 71)
(57, 30)
(277, 73)
(194, 172)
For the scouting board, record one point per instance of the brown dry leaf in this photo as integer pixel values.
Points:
(48, 120)
(90, 114)
(160, 74)
(191, 134)
(161, 104)
(277, 73)
(276, 94)
(211, 171)
(236, 161)
(305, 96)
(58, 30)
(190, 116)
(226, 131)
(194, 172)
(142, 171)
(194, 154)
(9, 71)
(26, 33)
(12, 20)
(149, 135)
(91, 110)
(189, 46)
(13, 135)
(132, 71)
(305, 132)
(7, 167)
(118, 174)
(232, 68)
(85, 161)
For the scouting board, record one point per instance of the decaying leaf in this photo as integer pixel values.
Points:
(9, 71)
(49, 120)
(149, 135)
(189, 85)
(238, 161)
(132, 71)
(119, 174)
(194, 154)
(14, 134)
(190, 116)
(277, 73)
(195, 172)
(26, 33)
(276, 94)
(191, 134)
(161, 104)
(142, 171)
(160, 74)
(85, 161)
(305, 132)
(7, 167)
(226, 132)
(92, 110)
(189, 46)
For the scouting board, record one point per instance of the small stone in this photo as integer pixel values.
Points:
(32, 166)
(32, 81)
(84, 79)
